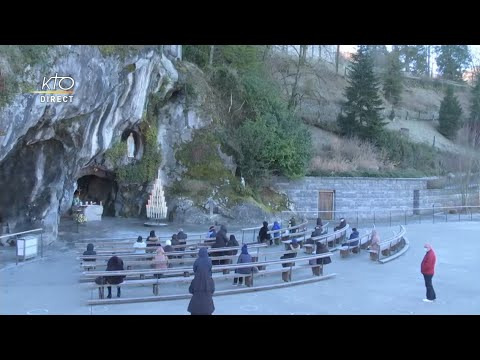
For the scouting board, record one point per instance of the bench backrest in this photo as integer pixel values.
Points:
(215, 268)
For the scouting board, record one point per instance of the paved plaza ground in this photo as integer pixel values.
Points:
(51, 285)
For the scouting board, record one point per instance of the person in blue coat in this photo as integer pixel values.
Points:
(202, 286)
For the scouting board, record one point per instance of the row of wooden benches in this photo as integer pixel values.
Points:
(184, 275)
(389, 246)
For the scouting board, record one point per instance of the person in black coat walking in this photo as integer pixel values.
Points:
(202, 286)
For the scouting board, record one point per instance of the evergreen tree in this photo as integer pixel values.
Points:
(362, 110)
(449, 115)
(474, 119)
(452, 60)
(414, 58)
(392, 81)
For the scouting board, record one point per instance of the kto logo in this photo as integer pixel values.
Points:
(58, 88)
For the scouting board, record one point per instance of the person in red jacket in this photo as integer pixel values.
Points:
(428, 269)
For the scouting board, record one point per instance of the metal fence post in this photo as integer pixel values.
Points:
(433, 213)
(373, 217)
(41, 244)
(357, 219)
(405, 217)
(390, 217)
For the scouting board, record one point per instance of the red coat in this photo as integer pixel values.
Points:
(428, 263)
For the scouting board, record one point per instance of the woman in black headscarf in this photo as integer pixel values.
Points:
(202, 286)
(89, 252)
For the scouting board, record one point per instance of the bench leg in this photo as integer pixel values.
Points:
(101, 292)
(373, 256)
(285, 276)
(155, 289)
(248, 281)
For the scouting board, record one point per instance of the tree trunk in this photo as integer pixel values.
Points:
(319, 51)
(337, 57)
(210, 60)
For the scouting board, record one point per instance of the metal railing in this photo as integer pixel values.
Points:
(391, 217)
(16, 236)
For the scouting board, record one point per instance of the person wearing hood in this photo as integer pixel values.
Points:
(89, 252)
(139, 246)
(319, 222)
(427, 269)
(263, 235)
(294, 246)
(161, 261)
(276, 235)
(374, 241)
(321, 249)
(202, 286)
(202, 258)
(244, 258)
(114, 264)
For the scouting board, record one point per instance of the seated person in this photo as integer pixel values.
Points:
(168, 246)
(139, 246)
(232, 242)
(276, 226)
(354, 235)
(263, 236)
(292, 223)
(375, 239)
(114, 264)
(212, 233)
(89, 251)
(321, 249)
(294, 246)
(317, 232)
(244, 257)
(153, 240)
(342, 224)
(319, 222)
(182, 237)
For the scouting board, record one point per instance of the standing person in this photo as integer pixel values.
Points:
(114, 264)
(202, 286)
(139, 246)
(428, 269)
(292, 223)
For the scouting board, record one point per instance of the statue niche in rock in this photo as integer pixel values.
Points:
(131, 146)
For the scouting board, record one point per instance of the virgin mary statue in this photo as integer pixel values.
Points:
(131, 146)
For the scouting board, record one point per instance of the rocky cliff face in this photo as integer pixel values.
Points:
(45, 147)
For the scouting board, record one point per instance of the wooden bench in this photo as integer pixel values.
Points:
(389, 246)
(187, 278)
(355, 249)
